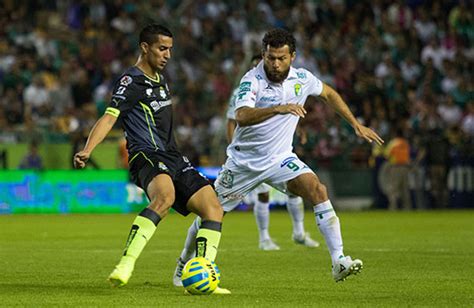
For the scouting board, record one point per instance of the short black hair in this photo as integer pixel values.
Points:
(277, 38)
(256, 57)
(150, 32)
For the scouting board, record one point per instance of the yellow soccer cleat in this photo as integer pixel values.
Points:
(221, 291)
(121, 274)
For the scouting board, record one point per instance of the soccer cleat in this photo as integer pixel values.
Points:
(178, 272)
(221, 291)
(344, 267)
(217, 291)
(268, 245)
(121, 274)
(305, 240)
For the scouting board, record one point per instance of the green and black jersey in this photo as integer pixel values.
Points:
(144, 106)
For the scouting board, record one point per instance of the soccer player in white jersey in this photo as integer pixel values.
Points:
(268, 106)
(261, 205)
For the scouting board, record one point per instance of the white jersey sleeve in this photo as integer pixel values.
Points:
(247, 91)
(315, 86)
(231, 108)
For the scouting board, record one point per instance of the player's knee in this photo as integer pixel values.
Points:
(264, 197)
(213, 211)
(320, 193)
(162, 203)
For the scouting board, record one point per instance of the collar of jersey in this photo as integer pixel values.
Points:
(157, 79)
(291, 74)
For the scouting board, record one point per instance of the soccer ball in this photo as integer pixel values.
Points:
(200, 276)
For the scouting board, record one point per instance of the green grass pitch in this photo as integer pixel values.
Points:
(410, 259)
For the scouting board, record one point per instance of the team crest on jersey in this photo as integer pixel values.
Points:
(298, 89)
(126, 80)
(162, 92)
(226, 179)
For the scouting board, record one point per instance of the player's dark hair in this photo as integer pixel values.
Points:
(277, 38)
(149, 33)
(256, 57)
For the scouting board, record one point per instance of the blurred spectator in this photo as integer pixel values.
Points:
(398, 157)
(32, 160)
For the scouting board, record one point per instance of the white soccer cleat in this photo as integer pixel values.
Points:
(178, 272)
(268, 245)
(305, 240)
(344, 267)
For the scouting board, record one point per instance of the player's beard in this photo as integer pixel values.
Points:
(276, 77)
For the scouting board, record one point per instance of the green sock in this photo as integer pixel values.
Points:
(207, 239)
(142, 230)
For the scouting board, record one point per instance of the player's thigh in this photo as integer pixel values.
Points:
(292, 176)
(161, 192)
(205, 204)
(309, 187)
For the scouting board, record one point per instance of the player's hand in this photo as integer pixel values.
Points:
(80, 159)
(368, 134)
(294, 109)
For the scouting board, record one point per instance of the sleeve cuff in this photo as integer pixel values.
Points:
(112, 111)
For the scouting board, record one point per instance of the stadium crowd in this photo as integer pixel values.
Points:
(402, 66)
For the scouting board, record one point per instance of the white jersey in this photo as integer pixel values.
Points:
(259, 146)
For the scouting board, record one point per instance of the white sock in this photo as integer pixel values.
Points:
(328, 224)
(262, 216)
(296, 210)
(189, 249)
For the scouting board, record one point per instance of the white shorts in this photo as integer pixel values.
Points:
(234, 182)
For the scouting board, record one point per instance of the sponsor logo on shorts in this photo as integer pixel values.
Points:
(233, 196)
(162, 166)
(226, 179)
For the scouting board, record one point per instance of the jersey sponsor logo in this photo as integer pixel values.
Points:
(149, 92)
(244, 88)
(301, 75)
(298, 89)
(157, 105)
(126, 80)
(268, 99)
(226, 179)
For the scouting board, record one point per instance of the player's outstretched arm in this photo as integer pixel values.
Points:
(247, 116)
(101, 128)
(332, 98)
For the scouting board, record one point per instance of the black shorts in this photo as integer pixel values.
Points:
(186, 179)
